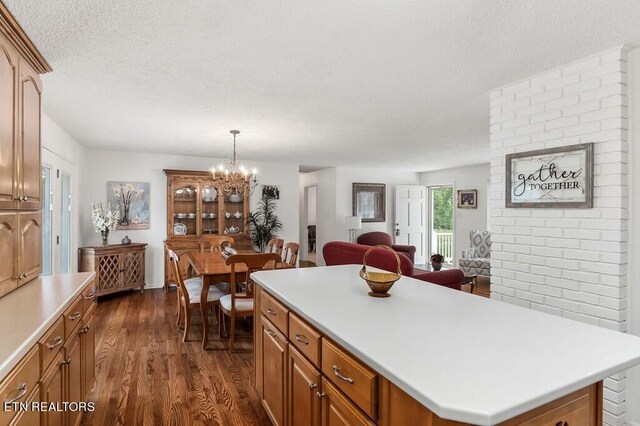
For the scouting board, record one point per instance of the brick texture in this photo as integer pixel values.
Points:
(567, 262)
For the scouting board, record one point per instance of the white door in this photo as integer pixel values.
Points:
(410, 218)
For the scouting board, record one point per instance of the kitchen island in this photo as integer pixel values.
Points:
(408, 357)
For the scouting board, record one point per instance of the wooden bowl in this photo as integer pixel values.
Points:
(379, 282)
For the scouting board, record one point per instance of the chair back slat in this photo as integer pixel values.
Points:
(275, 246)
(253, 262)
(174, 261)
(215, 243)
(290, 253)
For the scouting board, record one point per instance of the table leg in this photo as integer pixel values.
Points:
(204, 309)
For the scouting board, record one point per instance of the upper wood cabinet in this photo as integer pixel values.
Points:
(20, 116)
(20, 248)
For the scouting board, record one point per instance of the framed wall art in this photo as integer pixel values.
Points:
(467, 198)
(369, 201)
(271, 192)
(133, 200)
(551, 178)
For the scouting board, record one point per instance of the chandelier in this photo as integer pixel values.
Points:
(233, 177)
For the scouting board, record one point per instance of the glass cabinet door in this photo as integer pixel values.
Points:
(209, 211)
(234, 214)
(185, 209)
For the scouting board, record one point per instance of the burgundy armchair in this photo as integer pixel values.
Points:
(343, 253)
(375, 238)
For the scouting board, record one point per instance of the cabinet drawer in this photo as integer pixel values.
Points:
(21, 382)
(355, 379)
(72, 317)
(51, 343)
(275, 311)
(88, 297)
(578, 408)
(305, 338)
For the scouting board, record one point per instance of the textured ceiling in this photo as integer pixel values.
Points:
(399, 83)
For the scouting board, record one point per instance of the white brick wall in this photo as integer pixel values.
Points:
(567, 262)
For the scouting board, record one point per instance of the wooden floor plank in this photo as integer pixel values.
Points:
(145, 375)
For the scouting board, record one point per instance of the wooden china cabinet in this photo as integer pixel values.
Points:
(196, 208)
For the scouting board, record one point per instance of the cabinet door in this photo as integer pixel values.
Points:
(108, 273)
(8, 144)
(133, 268)
(29, 417)
(88, 345)
(337, 410)
(74, 375)
(183, 209)
(304, 384)
(8, 252)
(274, 361)
(29, 136)
(29, 245)
(53, 391)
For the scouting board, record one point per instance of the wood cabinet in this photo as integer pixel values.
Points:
(274, 367)
(53, 390)
(117, 267)
(20, 248)
(303, 404)
(20, 119)
(195, 208)
(323, 384)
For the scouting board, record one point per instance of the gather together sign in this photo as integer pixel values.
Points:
(555, 177)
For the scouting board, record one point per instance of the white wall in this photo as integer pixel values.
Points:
(311, 205)
(471, 177)
(101, 166)
(60, 148)
(334, 199)
(568, 262)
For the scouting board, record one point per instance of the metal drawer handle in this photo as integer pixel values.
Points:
(90, 297)
(301, 338)
(312, 386)
(340, 376)
(56, 342)
(271, 311)
(85, 329)
(271, 333)
(320, 394)
(22, 391)
(67, 361)
(75, 316)
(25, 198)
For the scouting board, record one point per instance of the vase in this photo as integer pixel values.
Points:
(436, 266)
(126, 240)
(105, 237)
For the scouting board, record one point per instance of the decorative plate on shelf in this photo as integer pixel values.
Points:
(209, 194)
(179, 229)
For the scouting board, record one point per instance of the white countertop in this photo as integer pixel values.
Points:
(27, 313)
(464, 357)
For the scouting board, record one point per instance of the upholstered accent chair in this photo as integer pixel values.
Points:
(477, 260)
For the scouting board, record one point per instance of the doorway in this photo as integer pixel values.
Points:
(311, 208)
(441, 221)
(57, 230)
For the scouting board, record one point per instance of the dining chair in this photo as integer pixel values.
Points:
(214, 243)
(241, 304)
(274, 246)
(290, 253)
(189, 293)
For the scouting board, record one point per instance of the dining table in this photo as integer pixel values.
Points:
(212, 268)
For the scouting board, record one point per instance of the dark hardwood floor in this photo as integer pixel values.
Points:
(147, 376)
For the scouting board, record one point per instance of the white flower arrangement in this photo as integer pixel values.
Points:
(104, 220)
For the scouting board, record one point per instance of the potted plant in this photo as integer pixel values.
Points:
(436, 261)
(263, 223)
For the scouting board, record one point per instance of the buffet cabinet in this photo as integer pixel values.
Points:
(118, 267)
(20, 98)
(60, 368)
(196, 208)
(304, 378)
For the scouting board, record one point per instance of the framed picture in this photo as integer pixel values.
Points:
(467, 198)
(133, 200)
(369, 201)
(552, 178)
(270, 192)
